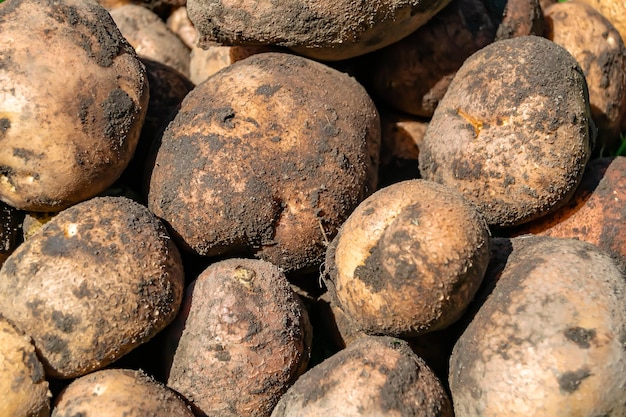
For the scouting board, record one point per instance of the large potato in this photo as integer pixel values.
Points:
(267, 158)
(513, 131)
(73, 97)
(98, 279)
(549, 339)
(328, 30)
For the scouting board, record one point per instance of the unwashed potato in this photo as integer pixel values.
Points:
(179, 23)
(22, 380)
(267, 158)
(374, 376)
(243, 336)
(597, 212)
(151, 37)
(614, 10)
(408, 260)
(598, 47)
(117, 393)
(98, 279)
(513, 132)
(549, 339)
(73, 97)
(318, 29)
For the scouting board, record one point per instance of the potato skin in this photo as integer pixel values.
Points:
(549, 339)
(267, 158)
(74, 97)
(399, 267)
(98, 279)
(513, 131)
(22, 379)
(243, 336)
(119, 392)
(374, 376)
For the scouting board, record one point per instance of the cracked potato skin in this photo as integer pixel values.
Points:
(68, 134)
(513, 132)
(267, 158)
(549, 339)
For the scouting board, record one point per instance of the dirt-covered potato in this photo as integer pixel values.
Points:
(596, 213)
(22, 380)
(513, 132)
(243, 336)
(151, 37)
(116, 393)
(73, 97)
(374, 376)
(267, 158)
(400, 266)
(600, 51)
(549, 339)
(98, 279)
(318, 29)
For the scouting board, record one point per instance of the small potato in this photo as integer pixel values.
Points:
(243, 336)
(549, 339)
(178, 22)
(117, 393)
(22, 380)
(73, 97)
(374, 376)
(408, 260)
(95, 281)
(513, 132)
(598, 47)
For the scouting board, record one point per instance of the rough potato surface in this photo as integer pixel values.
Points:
(98, 279)
(513, 131)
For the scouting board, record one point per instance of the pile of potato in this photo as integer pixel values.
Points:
(301, 208)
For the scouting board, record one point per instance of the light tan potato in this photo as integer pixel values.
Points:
(318, 29)
(179, 23)
(23, 382)
(614, 10)
(513, 132)
(116, 393)
(399, 267)
(374, 376)
(73, 97)
(598, 47)
(151, 37)
(267, 158)
(242, 338)
(549, 339)
(98, 279)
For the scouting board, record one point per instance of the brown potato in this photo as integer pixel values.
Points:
(97, 280)
(400, 267)
(318, 29)
(22, 380)
(549, 339)
(116, 393)
(374, 376)
(267, 158)
(73, 97)
(513, 131)
(614, 10)
(600, 51)
(243, 336)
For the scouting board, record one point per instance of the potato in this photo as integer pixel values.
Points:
(399, 267)
(321, 30)
(374, 376)
(178, 22)
(97, 280)
(151, 37)
(242, 338)
(116, 393)
(597, 212)
(600, 51)
(10, 226)
(549, 339)
(513, 131)
(23, 385)
(266, 159)
(73, 97)
(614, 10)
